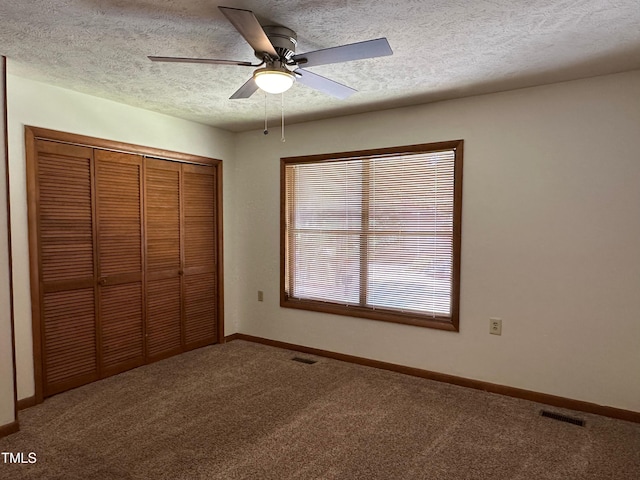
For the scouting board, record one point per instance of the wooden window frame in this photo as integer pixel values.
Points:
(450, 323)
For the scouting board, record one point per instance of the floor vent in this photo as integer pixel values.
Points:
(562, 418)
(308, 361)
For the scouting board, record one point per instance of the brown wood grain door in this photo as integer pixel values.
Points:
(123, 257)
(164, 260)
(120, 260)
(67, 265)
(200, 255)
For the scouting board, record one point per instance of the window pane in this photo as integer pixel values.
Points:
(410, 230)
(327, 267)
(411, 194)
(325, 206)
(327, 196)
(410, 273)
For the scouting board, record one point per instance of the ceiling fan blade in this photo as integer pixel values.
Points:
(246, 90)
(323, 84)
(199, 60)
(345, 53)
(247, 24)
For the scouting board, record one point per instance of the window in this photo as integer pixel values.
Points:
(374, 234)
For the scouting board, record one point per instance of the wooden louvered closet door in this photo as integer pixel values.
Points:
(63, 175)
(164, 261)
(120, 264)
(200, 262)
(124, 258)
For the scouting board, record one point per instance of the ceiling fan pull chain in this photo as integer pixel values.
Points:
(282, 116)
(266, 128)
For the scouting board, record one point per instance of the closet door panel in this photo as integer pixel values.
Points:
(164, 317)
(162, 188)
(65, 212)
(70, 357)
(200, 309)
(66, 265)
(164, 273)
(118, 177)
(200, 252)
(199, 218)
(120, 260)
(121, 327)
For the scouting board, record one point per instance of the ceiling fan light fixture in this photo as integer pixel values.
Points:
(274, 80)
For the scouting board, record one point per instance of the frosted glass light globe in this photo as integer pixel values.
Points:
(273, 81)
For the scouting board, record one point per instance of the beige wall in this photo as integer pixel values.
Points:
(551, 235)
(41, 105)
(551, 229)
(7, 412)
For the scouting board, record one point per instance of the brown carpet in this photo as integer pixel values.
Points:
(247, 411)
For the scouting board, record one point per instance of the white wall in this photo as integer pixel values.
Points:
(37, 104)
(551, 229)
(7, 411)
(551, 235)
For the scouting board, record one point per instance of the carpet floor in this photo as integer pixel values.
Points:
(248, 411)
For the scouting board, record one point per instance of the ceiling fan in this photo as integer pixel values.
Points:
(275, 47)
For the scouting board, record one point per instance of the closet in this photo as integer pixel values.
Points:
(125, 256)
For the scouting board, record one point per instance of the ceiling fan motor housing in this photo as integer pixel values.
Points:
(284, 41)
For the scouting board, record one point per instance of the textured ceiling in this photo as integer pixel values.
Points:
(442, 49)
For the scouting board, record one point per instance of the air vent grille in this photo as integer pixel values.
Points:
(308, 361)
(562, 418)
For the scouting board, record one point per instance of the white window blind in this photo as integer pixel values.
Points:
(373, 232)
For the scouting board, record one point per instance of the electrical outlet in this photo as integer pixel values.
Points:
(495, 326)
(260, 295)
